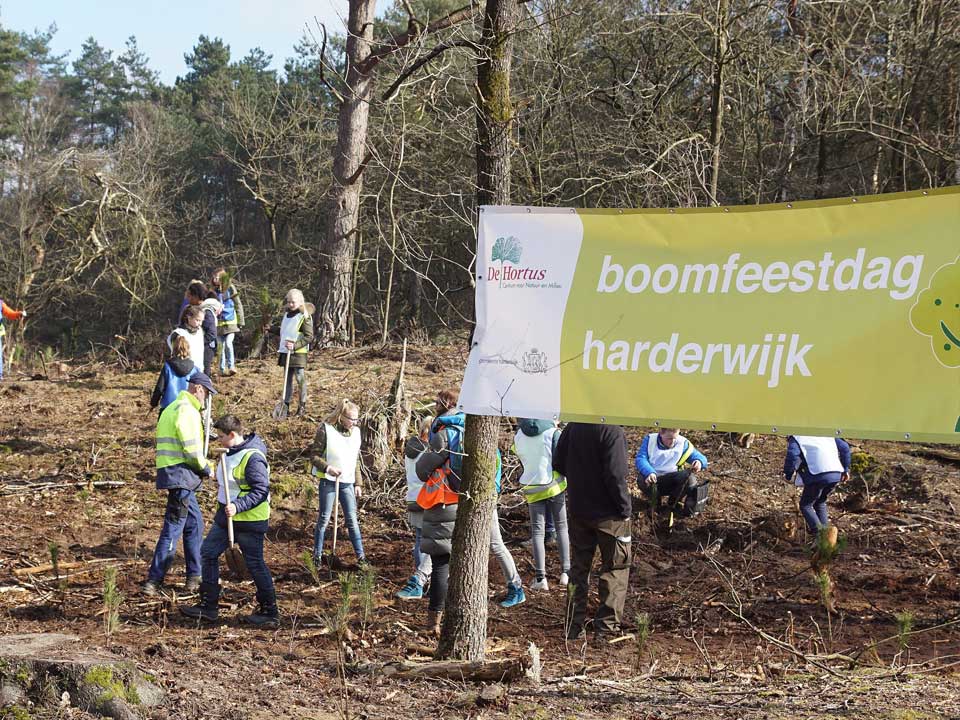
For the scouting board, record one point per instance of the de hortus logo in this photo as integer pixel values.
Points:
(508, 251)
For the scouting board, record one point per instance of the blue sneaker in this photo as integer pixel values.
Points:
(412, 590)
(515, 596)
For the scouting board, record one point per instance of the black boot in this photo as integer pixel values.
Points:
(207, 607)
(268, 614)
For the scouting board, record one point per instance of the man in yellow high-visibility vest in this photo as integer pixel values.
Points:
(181, 468)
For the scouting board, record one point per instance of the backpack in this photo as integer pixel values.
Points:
(455, 446)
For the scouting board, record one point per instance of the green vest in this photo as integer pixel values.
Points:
(180, 434)
(237, 470)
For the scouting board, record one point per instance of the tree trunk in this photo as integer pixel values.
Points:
(716, 101)
(464, 632)
(335, 265)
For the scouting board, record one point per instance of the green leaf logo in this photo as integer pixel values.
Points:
(506, 249)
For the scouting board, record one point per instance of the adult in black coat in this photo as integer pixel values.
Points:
(593, 458)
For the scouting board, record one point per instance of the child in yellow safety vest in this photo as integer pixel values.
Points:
(545, 492)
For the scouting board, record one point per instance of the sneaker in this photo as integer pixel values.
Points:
(550, 539)
(150, 588)
(515, 596)
(564, 579)
(192, 584)
(412, 590)
(540, 585)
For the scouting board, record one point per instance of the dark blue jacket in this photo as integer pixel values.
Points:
(257, 476)
(794, 463)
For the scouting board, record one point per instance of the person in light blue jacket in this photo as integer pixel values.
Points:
(668, 463)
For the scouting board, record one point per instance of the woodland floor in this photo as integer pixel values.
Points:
(732, 601)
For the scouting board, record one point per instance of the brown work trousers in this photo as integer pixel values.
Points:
(612, 536)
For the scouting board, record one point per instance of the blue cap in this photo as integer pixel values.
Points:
(203, 381)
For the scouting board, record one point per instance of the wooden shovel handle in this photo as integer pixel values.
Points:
(226, 492)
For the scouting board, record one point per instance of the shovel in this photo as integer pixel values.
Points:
(207, 412)
(333, 562)
(234, 556)
(282, 408)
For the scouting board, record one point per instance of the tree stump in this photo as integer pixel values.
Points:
(387, 428)
(50, 669)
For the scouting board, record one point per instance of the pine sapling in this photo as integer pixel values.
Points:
(905, 621)
(642, 635)
(112, 599)
(366, 584)
(339, 619)
(54, 550)
(311, 565)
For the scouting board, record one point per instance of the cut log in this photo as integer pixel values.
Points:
(492, 671)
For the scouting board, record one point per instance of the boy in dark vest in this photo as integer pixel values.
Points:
(244, 496)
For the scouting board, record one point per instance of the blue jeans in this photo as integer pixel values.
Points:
(813, 504)
(251, 545)
(227, 358)
(182, 517)
(348, 506)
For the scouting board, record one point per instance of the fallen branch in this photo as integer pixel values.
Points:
(37, 569)
(41, 487)
(945, 455)
(492, 671)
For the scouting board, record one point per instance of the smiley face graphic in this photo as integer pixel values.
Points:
(936, 314)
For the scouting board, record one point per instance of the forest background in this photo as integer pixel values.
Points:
(116, 190)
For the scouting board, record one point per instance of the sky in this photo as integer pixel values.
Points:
(166, 29)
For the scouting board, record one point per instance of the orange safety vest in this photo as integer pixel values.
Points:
(436, 490)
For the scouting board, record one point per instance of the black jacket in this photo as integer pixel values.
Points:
(593, 458)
